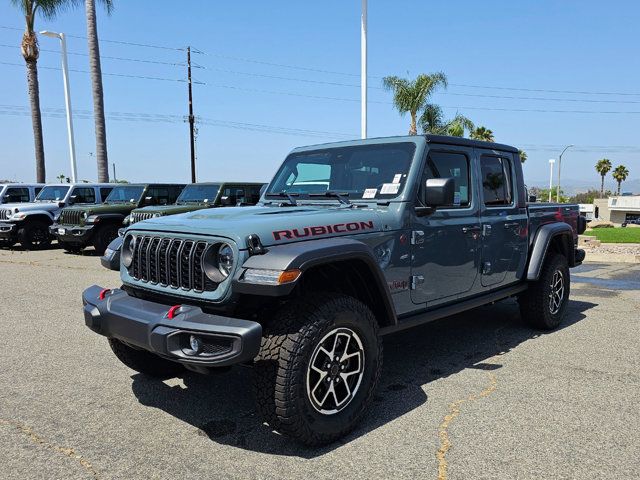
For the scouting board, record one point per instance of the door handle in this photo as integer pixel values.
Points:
(470, 229)
(511, 224)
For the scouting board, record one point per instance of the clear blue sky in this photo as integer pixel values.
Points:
(582, 46)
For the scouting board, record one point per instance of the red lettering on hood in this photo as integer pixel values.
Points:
(322, 230)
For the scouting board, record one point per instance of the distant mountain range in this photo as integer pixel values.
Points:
(571, 186)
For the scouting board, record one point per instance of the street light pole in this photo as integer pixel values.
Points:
(67, 99)
(559, 166)
(551, 162)
(363, 70)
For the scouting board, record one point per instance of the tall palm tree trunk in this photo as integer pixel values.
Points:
(98, 100)
(619, 183)
(36, 119)
(602, 187)
(413, 128)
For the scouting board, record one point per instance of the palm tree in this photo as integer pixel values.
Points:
(602, 167)
(483, 134)
(523, 156)
(412, 95)
(96, 87)
(30, 51)
(620, 174)
(432, 121)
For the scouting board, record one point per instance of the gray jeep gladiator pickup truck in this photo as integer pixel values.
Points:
(349, 242)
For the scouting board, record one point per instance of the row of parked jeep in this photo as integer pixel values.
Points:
(90, 214)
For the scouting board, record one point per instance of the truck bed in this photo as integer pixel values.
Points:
(543, 213)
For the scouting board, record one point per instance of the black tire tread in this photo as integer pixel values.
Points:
(279, 364)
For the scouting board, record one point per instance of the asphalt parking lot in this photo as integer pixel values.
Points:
(474, 396)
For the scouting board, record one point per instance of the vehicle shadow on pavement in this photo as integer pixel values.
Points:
(221, 406)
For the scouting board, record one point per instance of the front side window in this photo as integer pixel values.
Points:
(104, 192)
(198, 193)
(361, 172)
(84, 195)
(448, 165)
(497, 186)
(125, 194)
(52, 193)
(15, 194)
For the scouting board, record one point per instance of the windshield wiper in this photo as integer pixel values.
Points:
(287, 195)
(342, 197)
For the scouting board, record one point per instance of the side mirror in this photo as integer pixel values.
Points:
(61, 204)
(227, 201)
(439, 192)
(147, 201)
(533, 199)
(72, 199)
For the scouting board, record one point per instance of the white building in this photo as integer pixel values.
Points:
(618, 209)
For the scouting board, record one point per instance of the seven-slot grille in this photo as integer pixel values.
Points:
(5, 213)
(139, 216)
(70, 217)
(171, 262)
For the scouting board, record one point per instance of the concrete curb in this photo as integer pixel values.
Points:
(611, 258)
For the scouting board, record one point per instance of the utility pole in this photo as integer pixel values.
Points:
(192, 120)
(115, 179)
(363, 70)
(559, 166)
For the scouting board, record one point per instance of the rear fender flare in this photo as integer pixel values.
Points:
(542, 243)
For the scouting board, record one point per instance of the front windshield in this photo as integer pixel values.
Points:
(52, 193)
(125, 194)
(361, 172)
(198, 193)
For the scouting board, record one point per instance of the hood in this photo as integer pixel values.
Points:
(274, 225)
(92, 209)
(26, 207)
(171, 209)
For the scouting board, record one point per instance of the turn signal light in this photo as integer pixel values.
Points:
(289, 276)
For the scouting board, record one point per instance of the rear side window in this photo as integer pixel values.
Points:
(15, 194)
(159, 195)
(104, 192)
(497, 187)
(84, 195)
(448, 165)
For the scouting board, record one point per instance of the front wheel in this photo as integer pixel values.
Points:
(544, 303)
(318, 367)
(34, 236)
(103, 237)
(7, 243)
(71, 247)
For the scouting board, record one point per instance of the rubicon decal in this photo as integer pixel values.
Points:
(322, 230)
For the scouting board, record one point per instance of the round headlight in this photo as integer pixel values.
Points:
(156, 215)
(217, 262)
(225, 259)
(128, 247)
(84, 215)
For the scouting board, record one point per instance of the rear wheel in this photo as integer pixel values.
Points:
(103, 237)
(7, 243)
(34, 236)
(318, 367)
(143, 361)
(544, 303)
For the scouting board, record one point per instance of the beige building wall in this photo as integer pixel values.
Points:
(603, 209)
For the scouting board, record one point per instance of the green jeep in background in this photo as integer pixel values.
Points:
(202, 195)
(97, 225)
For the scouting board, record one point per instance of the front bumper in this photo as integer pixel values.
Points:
(146, 325)
(72, 233)
(8, 230)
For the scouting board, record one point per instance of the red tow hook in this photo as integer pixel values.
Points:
(173, 311)
(103, 293)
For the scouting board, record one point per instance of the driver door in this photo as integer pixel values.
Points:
(446, 243)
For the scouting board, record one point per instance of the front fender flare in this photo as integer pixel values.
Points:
(308, 254)
(541, 243)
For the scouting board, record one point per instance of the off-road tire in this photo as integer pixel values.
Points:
(34, 236)
(289, 340)
(71, 247)
(103, 237)
(143, 361)
(535, 306)
(7, 243)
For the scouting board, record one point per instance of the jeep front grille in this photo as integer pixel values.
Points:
(171, 262)
(139, 216)
(5, 213)
(70, 217)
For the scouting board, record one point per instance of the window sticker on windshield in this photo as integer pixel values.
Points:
(456, 198)
(370, 193)
(389, 188)
(397, 177)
